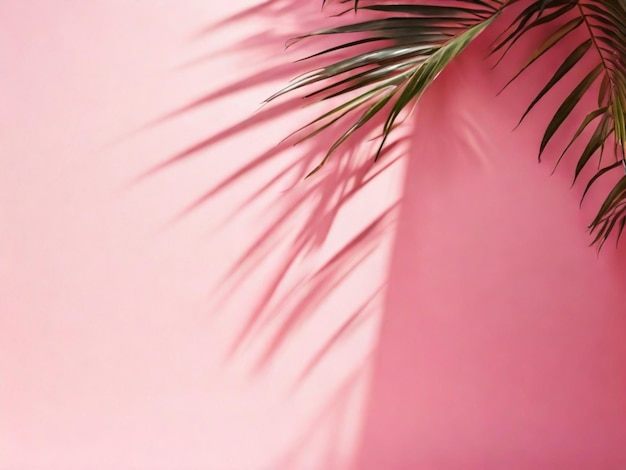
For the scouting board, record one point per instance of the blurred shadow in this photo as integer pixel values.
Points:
(294, 234)
(350, 170)
(451, 141)
(490, 354)
(330, 419)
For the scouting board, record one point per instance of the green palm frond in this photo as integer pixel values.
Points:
(411, 51)
(415, 41)
(604, 26)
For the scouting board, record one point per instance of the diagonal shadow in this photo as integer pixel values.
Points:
(349, 173)
(306, 274)
(486, 341)
(294, 236)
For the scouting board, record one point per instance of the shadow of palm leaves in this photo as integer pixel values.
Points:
(304, 276)
(282, 308)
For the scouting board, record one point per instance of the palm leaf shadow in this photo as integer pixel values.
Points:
(287, 300)
(281, 309)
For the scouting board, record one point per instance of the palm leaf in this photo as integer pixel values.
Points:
(416, 41)
(413, 49)
(604, 24)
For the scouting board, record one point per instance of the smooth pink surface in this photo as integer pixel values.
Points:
(502, 340)
(252, 329)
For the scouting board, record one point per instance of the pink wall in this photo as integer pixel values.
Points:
(210, 313)
(502, 340)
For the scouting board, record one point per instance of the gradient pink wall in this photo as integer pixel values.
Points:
(211, 313)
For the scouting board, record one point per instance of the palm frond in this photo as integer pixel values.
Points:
(414, 42)
(604, 25)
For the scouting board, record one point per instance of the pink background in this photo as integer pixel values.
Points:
(214, 312)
